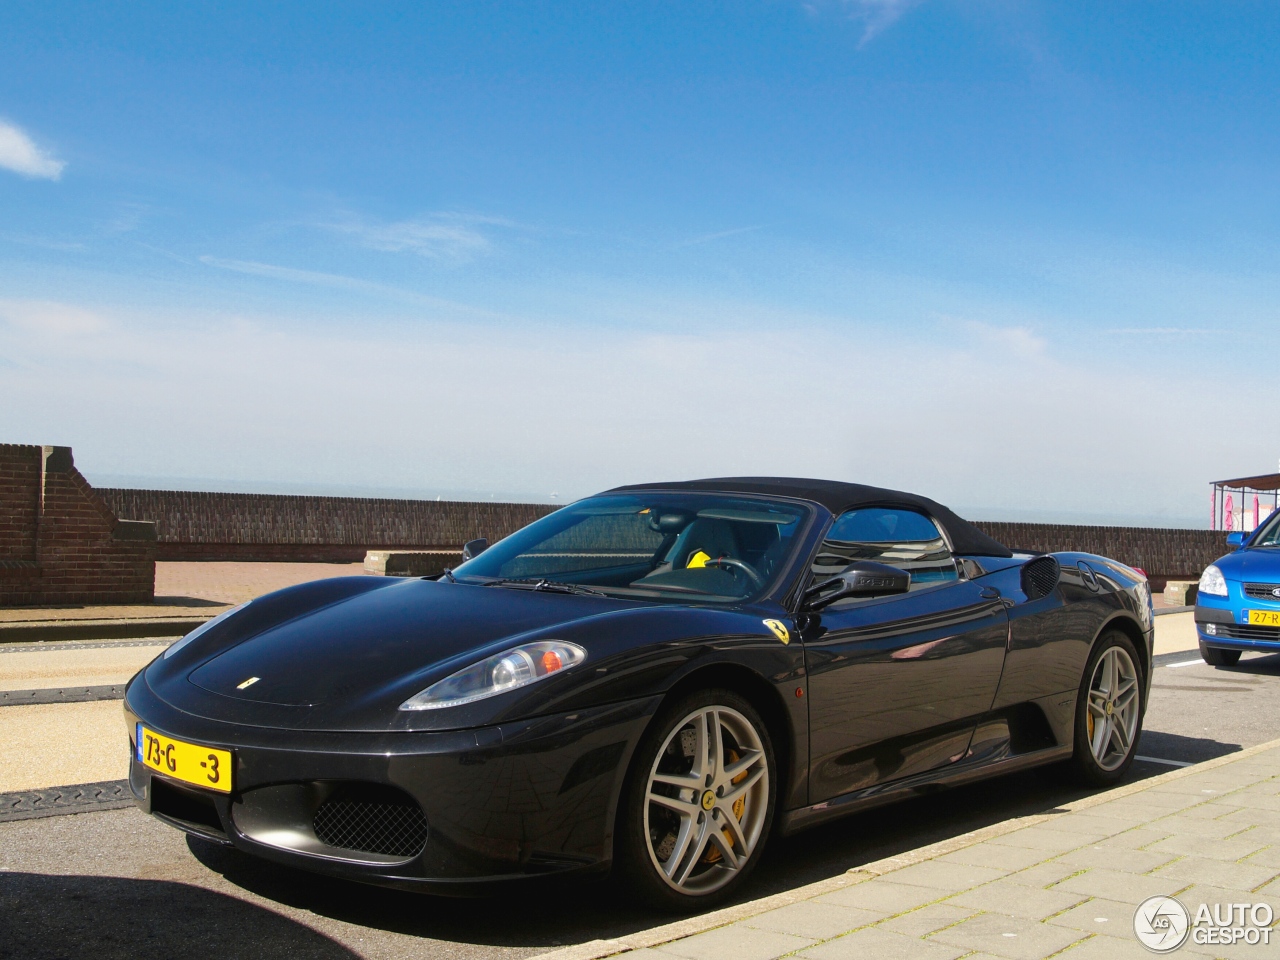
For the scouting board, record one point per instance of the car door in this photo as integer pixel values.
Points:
(896, 683)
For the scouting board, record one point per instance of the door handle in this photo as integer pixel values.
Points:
(989, 593)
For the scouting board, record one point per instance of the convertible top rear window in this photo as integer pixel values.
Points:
(687, 545)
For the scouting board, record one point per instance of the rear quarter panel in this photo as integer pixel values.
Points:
(1050, 638)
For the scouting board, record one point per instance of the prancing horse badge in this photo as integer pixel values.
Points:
(779, 630)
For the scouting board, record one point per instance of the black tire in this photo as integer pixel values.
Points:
(1085, 764)
(644, 828)
(1218, 657)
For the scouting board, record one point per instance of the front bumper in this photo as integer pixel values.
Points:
(1220, 625)
(503, 802)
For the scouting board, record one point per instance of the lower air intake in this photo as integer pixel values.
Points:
(1039, 577)
(372, 819)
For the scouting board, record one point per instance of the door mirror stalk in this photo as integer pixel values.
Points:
(862, 578)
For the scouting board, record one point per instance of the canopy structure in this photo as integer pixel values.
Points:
(1243, 503)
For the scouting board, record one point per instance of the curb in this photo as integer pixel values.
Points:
(656, 936)
(100, 629)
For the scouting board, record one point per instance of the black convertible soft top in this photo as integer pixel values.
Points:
(839, 497)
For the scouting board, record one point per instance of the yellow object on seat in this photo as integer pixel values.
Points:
(697, 561)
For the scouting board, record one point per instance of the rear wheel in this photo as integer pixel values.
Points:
(1109, 711)
(1218, 657)
(699, 801)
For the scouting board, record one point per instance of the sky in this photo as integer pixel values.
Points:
(1017, 256)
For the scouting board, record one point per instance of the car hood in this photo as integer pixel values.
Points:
(1261, 564)
(409, 634)
(343, 654)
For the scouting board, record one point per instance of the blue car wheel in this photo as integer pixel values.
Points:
(1219, 657)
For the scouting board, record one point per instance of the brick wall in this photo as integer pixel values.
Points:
(19, 502)
(59, 542)
(253, 526)
(235, 526)
(1163, 554)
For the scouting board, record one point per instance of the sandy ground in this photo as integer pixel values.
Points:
(57, 744)
(236, 582)
(1176, 632)
(186, 589)
(57, 668)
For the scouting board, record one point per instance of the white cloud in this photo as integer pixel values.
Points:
(710, 237)
(339, 281)
(1018, 341)
(977, 416)
(875, 15)
(48, 317)
(294, 275)
(19, 153)
(442, 236)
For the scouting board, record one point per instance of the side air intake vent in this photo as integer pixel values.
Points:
(1039, 577)
(372, 819)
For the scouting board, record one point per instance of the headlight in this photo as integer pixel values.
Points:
(1213, 582)
(517, 667)
(202, 629)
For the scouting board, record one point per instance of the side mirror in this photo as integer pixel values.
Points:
(862, 578)
(1235, 539)
(473, 548)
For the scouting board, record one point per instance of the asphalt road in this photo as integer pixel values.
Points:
(118, 884)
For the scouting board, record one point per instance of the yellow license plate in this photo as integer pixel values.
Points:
(191, 763)
(1265, 618)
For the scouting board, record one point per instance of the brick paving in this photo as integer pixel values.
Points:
(1064, 884)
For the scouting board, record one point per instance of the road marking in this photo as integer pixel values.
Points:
(1172, 763)
(1184, 663)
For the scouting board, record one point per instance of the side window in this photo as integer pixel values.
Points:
(904, 539)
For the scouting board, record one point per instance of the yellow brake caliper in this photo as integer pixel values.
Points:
(739, 808)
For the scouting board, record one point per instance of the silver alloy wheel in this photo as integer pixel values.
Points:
(1112, 721)
(706, 800)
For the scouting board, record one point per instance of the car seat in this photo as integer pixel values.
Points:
(704, 539)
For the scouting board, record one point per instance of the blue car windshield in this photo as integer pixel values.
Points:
(1269, 535)
(695, 546)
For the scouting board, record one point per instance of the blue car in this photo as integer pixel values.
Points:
(1238, 604)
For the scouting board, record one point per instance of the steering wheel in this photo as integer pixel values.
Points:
(749, 571)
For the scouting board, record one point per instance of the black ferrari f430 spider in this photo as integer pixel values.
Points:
(654, 679)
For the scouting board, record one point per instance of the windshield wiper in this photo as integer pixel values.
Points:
(545, 586)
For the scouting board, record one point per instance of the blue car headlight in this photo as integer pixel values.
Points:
(1212, 582)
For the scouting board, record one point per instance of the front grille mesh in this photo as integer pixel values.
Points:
(372, 819)
(1039, 577)
(1245, 631)
(1261, 591)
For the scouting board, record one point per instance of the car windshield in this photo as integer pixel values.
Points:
(694, 546)
(1269, 535)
